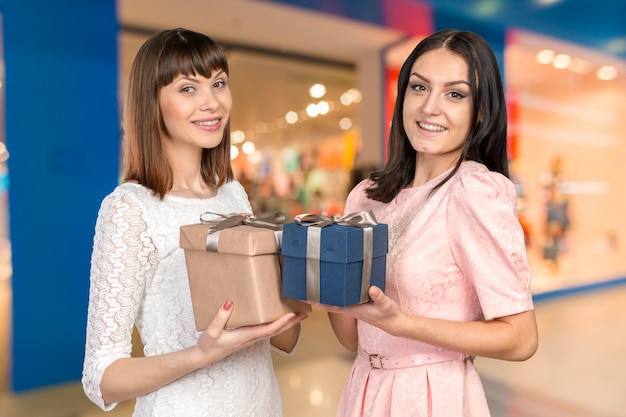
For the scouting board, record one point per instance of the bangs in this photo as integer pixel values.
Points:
(191, 55)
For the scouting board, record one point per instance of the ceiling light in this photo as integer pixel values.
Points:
(248, 148)
(545, 57)
(317, 90)
(323, 107)
(311, 110)
(346, 99)
(561, 61)
(606, 73)
(345, 123)
(356, 95)
(238, 136)
(291, 117)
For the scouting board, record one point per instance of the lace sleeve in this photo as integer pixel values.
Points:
(123, 259)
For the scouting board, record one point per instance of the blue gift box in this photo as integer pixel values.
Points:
(341, 255)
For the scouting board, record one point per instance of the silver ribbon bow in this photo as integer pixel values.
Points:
(269, 220)
(363, 219)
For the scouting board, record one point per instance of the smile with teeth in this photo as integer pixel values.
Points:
(208, 122)
(433, 128)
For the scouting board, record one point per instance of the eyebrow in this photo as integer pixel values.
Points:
(447, 84)
(195, 77)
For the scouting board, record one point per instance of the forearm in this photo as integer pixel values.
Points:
(287, 340)
(128, 378)
(511, 338)
(345, 328)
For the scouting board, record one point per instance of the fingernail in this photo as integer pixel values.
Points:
(228, 305)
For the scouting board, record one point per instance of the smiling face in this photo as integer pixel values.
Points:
(438, 110)
(195, 110)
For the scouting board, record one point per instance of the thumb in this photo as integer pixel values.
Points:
(376, 294)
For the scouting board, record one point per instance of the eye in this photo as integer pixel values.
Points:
(219, 84)
(457, 95)
(417, 87)
(188, 89)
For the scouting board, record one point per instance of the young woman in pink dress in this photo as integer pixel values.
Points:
(457, 273)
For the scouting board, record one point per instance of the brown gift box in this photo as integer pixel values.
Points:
(246, 269)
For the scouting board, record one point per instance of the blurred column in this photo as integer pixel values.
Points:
(370, 81)
(62, 132)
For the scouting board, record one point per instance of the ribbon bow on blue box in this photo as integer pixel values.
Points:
(334, 260)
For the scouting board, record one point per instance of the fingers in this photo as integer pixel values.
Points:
(262, 331)
(218, 323)
(282, 324)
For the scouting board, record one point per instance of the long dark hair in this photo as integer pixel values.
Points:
(163, 57)
(486, 141)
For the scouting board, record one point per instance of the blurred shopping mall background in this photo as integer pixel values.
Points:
(313, 84)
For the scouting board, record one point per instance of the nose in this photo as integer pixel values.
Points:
(430, 104)
(209, 101)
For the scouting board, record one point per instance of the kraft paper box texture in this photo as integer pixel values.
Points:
(341, 262)
(245, 269)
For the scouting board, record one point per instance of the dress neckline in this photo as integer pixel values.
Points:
(176, 198)
(430, 183)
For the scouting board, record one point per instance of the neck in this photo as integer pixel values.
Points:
(187, 178)
(427, 169)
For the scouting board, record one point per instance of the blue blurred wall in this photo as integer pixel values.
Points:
(62, 131)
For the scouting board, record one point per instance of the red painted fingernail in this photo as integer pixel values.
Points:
(228, 305)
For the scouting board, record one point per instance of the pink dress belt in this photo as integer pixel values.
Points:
(377, 361)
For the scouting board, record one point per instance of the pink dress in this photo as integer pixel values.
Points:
(458, 255)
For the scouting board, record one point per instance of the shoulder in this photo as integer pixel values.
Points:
(474, 181)
(357, 199)
(234, 192)
(232, 187)
(128, 196)
(132, 190)
(361, 187)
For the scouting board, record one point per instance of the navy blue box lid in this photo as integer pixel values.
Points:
(343, 244)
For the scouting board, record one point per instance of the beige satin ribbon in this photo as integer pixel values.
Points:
(316, 222)
(269, 220)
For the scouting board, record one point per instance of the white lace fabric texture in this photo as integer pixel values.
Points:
(139, 277)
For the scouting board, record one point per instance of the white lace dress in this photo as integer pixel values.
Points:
(138, 276)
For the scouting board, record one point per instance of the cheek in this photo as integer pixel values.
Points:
(408, 115)
(171, 111)
(462, 117)
(165, 108)
(411, 108)
(227, 101)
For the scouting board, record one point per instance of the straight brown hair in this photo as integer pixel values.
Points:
(164, 56)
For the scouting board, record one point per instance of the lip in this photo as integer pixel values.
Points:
(430, 128)
(208, 124)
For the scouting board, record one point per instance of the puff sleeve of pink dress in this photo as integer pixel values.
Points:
(457, 254)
